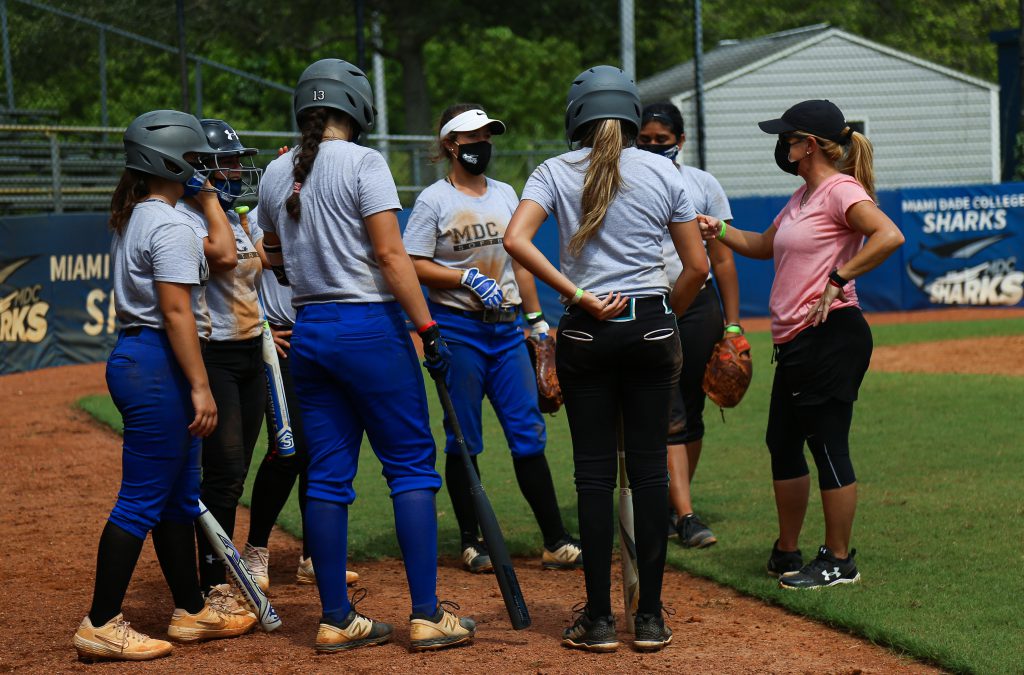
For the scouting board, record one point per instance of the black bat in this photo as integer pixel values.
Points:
(495, 541)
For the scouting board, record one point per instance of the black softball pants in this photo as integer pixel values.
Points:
(276, 475)
(619, 375)
(235, 370)
(699, 329)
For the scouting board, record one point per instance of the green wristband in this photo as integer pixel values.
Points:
(721, 231)
(734, 328)
(577, 296)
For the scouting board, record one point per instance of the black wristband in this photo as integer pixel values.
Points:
(836, 279)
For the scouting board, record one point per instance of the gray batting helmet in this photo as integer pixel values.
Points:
(600, 93)
(157, 142)
(333, 83)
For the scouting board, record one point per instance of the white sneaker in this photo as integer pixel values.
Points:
(305, 576)
(257, 559)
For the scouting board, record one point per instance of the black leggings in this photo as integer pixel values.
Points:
(699, 329)
(817, 378)
(619, 375)
(239, 388)
(276, 475)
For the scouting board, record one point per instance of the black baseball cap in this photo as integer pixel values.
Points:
(819, 118)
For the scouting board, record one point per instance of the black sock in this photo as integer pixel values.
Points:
(211, 569)
(270, 490)
(649, 529)
(596, 529)
(462, 501)
(115, 562)
(534, 477)
(175, 545)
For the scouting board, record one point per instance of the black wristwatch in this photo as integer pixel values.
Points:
(837, 280)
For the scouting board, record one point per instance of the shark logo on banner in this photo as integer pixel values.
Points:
(967, 272)
(22, 310)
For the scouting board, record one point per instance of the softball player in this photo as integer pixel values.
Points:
(828, 234)
(618, 350)
(276, 475)
(661, 132)
(454, 236)
(156, 377)
(233, 356)
(328, 211)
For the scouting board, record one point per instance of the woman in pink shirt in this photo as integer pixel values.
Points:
(830, 233)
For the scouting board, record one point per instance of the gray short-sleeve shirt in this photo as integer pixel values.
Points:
(328, 255)
(157, 244)
(461, 231)
(708, 198)
(626, 253)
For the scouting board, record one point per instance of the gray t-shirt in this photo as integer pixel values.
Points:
(277, 299)
(231, 294)
(626, 252)
(708, 197)
(327, 254)
(157, 244)
(460, 231)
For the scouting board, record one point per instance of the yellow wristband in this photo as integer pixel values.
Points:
(721, 231)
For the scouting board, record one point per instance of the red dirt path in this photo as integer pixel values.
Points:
(61, 477)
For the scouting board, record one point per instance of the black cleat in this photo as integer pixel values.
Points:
(825, 570)
(693, 533)
(591, 634)
(784, 563)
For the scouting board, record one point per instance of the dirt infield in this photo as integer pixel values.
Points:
(60, 480)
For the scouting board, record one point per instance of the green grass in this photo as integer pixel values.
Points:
(939, 528)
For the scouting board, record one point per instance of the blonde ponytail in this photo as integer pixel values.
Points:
(602, 181)
(856, 159)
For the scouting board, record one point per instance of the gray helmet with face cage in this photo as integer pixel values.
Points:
(598, 93)
(337, 84)
(157, 142)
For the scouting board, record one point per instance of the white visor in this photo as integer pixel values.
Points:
(471, 120)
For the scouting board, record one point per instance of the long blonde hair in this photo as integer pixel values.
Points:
(856, 159)
(606, 138)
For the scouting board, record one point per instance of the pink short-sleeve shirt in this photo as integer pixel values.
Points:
(809, 242)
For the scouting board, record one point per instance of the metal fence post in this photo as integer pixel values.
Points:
(416, 166)
(55, 174)
(8, 74)
(104, 117)
(199, 90)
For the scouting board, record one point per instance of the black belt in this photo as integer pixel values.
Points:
(133, 331)
(490, 315)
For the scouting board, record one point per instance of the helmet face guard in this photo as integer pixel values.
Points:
(230, 168)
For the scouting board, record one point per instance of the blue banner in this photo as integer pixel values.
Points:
(56, 305)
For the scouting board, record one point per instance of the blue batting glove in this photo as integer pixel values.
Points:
(437, 356)
(485, 287)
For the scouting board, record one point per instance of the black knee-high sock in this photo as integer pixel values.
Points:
(649, 529)
(115, 562)
(534, 477)
(462, 501)
(175, 545)
(596, 528)
(211, 569)
(270, 491)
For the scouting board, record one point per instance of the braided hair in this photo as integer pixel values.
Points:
(312, 123)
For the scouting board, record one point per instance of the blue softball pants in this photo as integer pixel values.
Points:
(160, 459)
(491, 359)
(356, 371)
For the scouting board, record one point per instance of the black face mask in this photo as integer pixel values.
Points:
(474, 156)
(782, 157)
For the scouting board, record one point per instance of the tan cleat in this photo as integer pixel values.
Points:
(116, 640)
(444, 629)
(212, 622)
(305, 575)
(227, 598)
(358, 631)
(566, 555)
(257, 559)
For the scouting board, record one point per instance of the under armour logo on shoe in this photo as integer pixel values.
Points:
(828, 575)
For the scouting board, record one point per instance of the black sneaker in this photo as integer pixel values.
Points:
(693, 533)
(591, 634)
(784, 563)
(476, 558)
(650, 633)
(825, 570)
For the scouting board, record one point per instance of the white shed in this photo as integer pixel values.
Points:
(930, 125)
